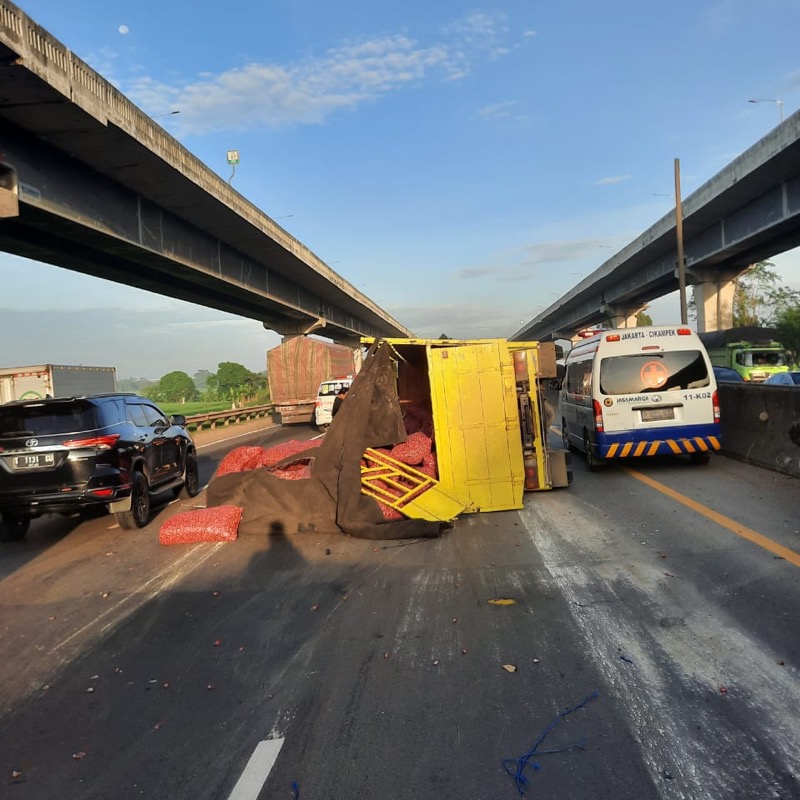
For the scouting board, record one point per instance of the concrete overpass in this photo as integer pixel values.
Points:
(748, 212)
(91, 183)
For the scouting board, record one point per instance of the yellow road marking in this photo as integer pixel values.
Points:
(740, 530)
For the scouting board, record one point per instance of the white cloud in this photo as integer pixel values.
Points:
(613, 179)
(497, 110)
(271, 95)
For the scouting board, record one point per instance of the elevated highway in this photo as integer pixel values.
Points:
(90, 183)
(748, 212)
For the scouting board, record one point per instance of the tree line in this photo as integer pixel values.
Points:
(231, 382)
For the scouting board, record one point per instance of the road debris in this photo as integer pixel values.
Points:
(515, 767)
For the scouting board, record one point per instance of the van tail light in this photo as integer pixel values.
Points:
(98, 442)
(598, 416)
(684, 331)
(715, 403)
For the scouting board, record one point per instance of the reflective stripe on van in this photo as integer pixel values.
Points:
(692, 439)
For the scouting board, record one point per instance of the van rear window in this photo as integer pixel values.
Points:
(640, 373)
(331, 388)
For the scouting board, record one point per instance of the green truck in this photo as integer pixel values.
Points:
(751, 351)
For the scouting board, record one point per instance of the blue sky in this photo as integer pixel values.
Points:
(462, 164)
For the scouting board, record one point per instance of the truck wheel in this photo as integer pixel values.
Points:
(139, 513)
(191, 477)
(12, 528)
(592, 461)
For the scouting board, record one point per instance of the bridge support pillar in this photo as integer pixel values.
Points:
(289, 329)
(713, 297)
(620, 316)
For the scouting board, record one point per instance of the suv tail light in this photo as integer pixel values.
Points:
(598, 416)
(98, 442)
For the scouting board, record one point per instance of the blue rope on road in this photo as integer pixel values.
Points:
(517, 773)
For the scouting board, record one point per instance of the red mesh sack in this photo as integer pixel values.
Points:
(272, 455)
(429, 466)
(414, 450)
(240, 459)
(293, 472)
(216, 524)
(389, 512)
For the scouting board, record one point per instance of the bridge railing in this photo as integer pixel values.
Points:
(218, 419)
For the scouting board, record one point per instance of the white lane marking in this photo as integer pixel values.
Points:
(231, 438)
(255, 774)
(168, 577)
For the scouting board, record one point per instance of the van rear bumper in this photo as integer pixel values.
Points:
(660, 441)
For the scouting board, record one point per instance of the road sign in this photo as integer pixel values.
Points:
(233, 157)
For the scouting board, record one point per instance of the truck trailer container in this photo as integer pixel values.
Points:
(297, 367)
(751, 351)
(54, 380)
(489, 416)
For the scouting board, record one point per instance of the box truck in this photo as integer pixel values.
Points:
(54, 380)
(297, 367)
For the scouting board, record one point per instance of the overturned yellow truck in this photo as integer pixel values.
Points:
(490, 419)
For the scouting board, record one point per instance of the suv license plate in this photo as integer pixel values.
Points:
(657, 414)
(35, 460)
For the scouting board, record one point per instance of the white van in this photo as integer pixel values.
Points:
(323, 412)
(640, 392)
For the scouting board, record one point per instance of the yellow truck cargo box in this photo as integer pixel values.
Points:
(488, 426)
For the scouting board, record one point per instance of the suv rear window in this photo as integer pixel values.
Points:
(44, 420)
(653, 372)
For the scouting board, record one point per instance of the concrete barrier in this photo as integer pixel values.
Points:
(761, 425)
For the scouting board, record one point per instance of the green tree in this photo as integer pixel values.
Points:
(759, 297)
(235, 382)
(201, 379)
(787, 323)
(138, 385)
(643, 319)
(175, 387)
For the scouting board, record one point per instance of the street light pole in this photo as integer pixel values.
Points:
(768, 100)
(679, 235)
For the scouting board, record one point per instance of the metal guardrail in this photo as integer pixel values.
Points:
(215, 419)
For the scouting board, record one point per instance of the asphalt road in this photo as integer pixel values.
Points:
(648, 632)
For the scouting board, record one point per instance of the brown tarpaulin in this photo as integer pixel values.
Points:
(330, 501)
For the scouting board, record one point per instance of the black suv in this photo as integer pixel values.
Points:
(74, 454)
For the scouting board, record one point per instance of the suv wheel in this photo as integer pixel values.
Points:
(191, 478)
(12, 528)
(139, 514)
